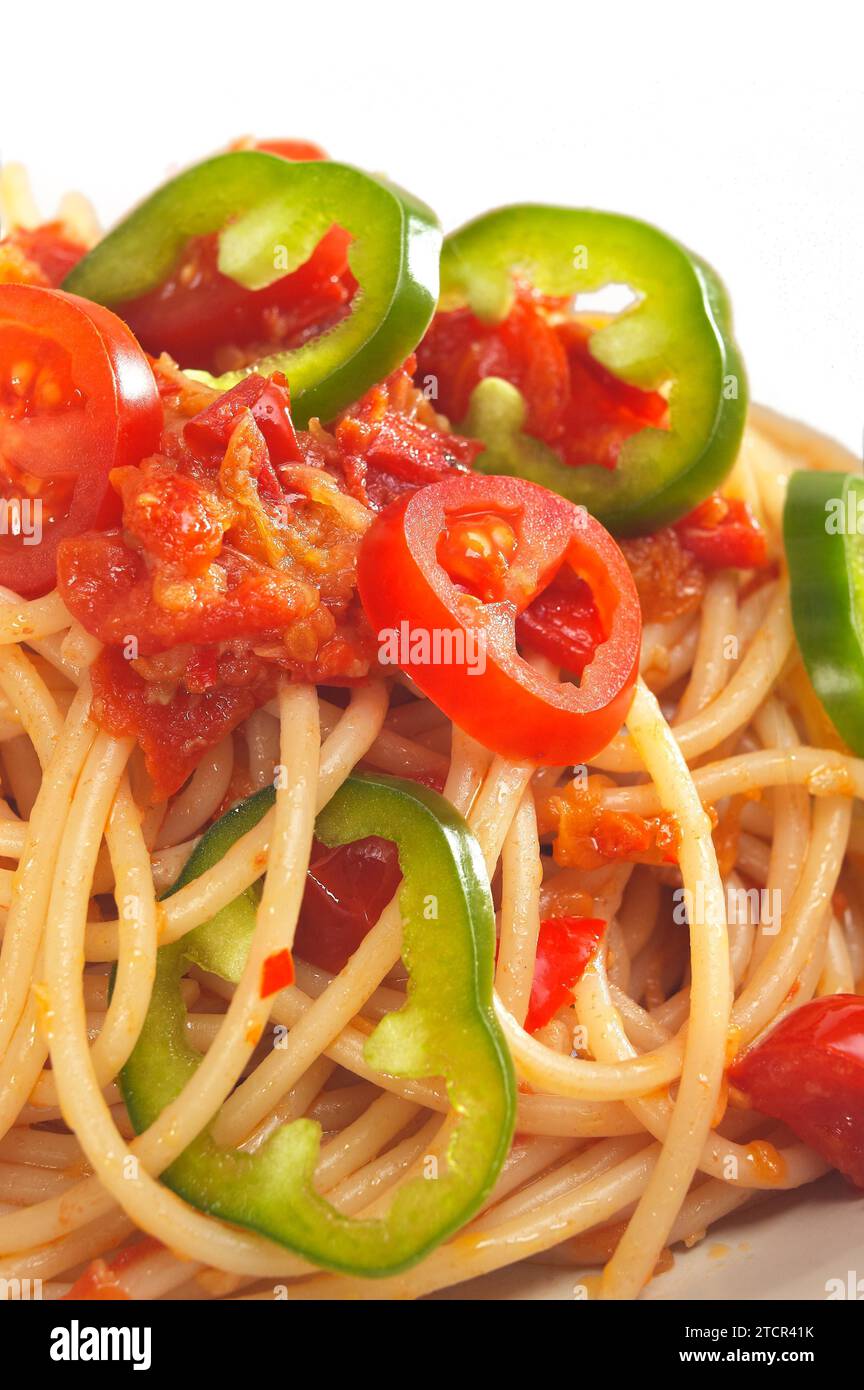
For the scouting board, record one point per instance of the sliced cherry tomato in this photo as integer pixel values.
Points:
(460, 646)
(723, 533)
(347, 889)
(564, 947)
(808, 1072)
(77, 398)
(270, 402)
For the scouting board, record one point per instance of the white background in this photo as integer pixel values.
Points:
(737, 127)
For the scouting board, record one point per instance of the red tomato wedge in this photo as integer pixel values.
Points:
(77, 398)
(809, 1073)
(443, 575)
(564, 947)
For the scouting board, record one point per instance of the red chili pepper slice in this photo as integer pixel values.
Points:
(442, 586)
(277, 973)
(564, 947)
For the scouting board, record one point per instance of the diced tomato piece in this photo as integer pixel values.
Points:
(291, 149)
(564, 947)
(589, 835)
(563, 624)
(268, 399)
(102, 1280)
(723, 533)
(573, 403)
(601, 411)
(808, 1072)
(110, 590)
(347, 889)
(460, 350)
(97, 1284)
(175, 733)
(204, 319)
(386, 453)
(669, 579)
(42, 255)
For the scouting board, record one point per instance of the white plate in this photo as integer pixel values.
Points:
(789, 1247)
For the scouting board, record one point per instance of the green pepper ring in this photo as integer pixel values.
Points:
(678, 334)
(447, 1028)
(271, 213)
(826, 580)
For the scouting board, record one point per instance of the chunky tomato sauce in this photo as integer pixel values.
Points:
(235, 558)
(573, 403)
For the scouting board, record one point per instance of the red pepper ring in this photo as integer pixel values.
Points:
(501, 700)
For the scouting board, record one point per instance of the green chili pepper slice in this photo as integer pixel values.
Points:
(677, 337)
(823, 530)
(270, 214)
(446, 1028)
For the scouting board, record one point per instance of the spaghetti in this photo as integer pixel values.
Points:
(628, 1140)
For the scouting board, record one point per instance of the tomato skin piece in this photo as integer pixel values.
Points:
(808, 1072)
(347, 889)
(109, 589)
(562, 624)
(268, 398)
(722, 533)
(564, 947)
(172, 736)
(503, 701)
(119, 422)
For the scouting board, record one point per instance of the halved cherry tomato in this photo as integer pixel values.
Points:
(460, 646)
(808, 1072)
(347, 889)
(564, 947)
(77, 398)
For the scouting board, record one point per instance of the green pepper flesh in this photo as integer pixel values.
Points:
(270, 214)
(677, 337)
(446, 1028)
